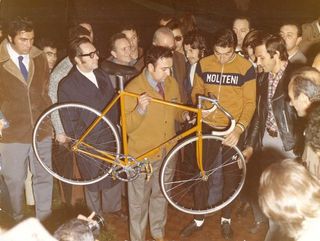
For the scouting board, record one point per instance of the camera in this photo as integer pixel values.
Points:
(96, 224)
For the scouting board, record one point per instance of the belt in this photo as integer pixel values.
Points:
(272, 133)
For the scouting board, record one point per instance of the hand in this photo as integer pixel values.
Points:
(61, 138)
(232, 138)
(186, 116)
(88, 219)
(143, 102)
(247, 153)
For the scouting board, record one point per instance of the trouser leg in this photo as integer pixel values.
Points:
(42, 180)
(14, 171)
(111, 198)
(139, 192)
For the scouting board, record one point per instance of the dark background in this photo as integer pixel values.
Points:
(52, 18)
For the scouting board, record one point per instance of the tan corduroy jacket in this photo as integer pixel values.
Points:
(22, 102)
(157, 124)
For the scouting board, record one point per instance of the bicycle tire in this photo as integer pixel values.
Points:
(103, 137)
(179, 176)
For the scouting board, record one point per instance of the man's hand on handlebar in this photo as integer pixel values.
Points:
(61, 138)
(232, 138)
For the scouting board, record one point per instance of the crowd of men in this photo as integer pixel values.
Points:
(247, 69)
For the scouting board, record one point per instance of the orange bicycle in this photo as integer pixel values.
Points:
(100, 148)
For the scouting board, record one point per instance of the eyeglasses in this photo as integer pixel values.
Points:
(178, 38)
(91, 55)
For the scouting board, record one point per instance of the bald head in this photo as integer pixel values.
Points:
(163, 37)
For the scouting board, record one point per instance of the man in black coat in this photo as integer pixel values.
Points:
(273, 130)
(89, 85)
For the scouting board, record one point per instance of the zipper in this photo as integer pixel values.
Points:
(285, 120)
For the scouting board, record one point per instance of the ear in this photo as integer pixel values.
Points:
(304, 99)
(77, 60)
(277, 54)
(150, 67)
(114, 54)
(298, 40)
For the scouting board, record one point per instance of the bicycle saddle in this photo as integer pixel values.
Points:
(117, 69)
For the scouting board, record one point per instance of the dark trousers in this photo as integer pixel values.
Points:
(211, 149)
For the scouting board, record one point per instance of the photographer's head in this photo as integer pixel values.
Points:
(74, 230)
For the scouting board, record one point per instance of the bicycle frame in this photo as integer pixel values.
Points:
(115, 160)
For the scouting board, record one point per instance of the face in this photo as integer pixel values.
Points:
(89, 28)
(300, 103)
(51, 54)
(178, 39)
(264, 59)
(223, 54)
(86, 63)
(191, 54)
(290, 35)
(132, 37)
(22, 42)
(122, 51)
(251, 53)
(241, 28)
(161, 70)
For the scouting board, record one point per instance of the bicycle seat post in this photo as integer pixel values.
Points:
(120, 78)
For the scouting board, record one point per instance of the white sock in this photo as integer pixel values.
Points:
(199, 222)
(225, 220)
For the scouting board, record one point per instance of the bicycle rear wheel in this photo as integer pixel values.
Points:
(67, 161)
(180, 175)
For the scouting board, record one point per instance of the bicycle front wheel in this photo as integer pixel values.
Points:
(81, 165)
(181, 179)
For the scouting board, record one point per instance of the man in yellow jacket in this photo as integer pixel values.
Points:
(149, 124)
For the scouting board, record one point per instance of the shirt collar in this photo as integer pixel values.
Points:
(279, 74)
(14, 55)
(150, 80)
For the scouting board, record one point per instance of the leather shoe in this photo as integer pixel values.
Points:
(256, 227)
(190, 229)
(120, 214)
(226, 230)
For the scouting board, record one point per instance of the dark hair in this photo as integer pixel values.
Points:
(312, 133)
(273, 44)
(306, 80)
(250, 40)
(19, 24)
(188, 23)
(174, 24)
(78, 31)
(114, 38)
(46, 42)
(225, 38)
(74, 230)
(196, 41)
(127, 26)
(293, 23)
(157, 52)
(74, 48)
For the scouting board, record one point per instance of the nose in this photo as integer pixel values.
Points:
(167, 72)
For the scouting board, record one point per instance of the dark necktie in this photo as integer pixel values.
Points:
(23, 68)
(160, 89)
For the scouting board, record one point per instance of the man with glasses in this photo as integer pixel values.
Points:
(231, 78)
(89, 85)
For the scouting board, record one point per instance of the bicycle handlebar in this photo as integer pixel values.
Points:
(215, 104)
